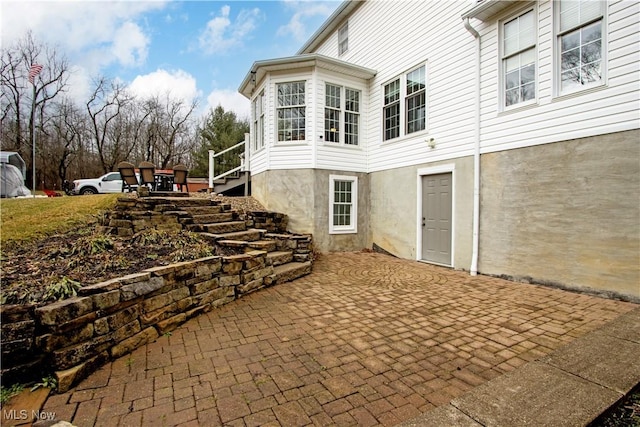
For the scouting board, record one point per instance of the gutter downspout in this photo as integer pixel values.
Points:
(476, 157)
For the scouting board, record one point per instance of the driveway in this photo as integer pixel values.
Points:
(366, 340)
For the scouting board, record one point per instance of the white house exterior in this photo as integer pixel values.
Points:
(499, 137)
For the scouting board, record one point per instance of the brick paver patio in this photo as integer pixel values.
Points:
(365, 340)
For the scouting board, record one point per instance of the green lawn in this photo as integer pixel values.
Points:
(29, 218)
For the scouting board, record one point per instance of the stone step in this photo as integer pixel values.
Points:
(203, 210)
(236, 244)
(280, 257)
(213, 218)
(225, 227)
(183, 202)
(288, 272)
(250, 235)
(263, 245)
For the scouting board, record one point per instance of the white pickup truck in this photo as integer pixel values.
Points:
(107, 183)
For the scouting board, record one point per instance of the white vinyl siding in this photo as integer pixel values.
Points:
(341, 156)
(599, 109)
(380, 30)
(343, 204)
(580, 44)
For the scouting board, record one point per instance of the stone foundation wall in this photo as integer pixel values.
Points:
(109, 319)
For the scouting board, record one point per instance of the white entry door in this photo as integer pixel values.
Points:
(436, 218)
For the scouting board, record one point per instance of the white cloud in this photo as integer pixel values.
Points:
(130, 44)
(220, 34)
(298, 26)
(79, 85)
(178, 84)
(93, 34)
(230, 100)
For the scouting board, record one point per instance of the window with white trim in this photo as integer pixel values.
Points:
(291, 111)
(343, 39)
(343, 204)
(405, 104)
(341, 114)
(519, 59)
(580, 45)
(258, 121)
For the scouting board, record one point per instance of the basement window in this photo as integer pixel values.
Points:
(343, 204)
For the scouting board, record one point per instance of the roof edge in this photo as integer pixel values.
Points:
(315, 59)
(329, 25)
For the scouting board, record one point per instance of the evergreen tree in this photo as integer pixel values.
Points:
(220, 130)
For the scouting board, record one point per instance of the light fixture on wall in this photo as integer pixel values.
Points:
(431, 142)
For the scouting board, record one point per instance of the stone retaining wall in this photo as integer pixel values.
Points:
(109, 319)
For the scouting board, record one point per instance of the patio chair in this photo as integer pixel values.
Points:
(128, 175)
(147, 175)
(180, 173)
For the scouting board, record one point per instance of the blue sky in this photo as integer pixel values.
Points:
(194, 49)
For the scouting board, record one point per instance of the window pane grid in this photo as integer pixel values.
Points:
(580, 56)
(331, 125)
(416, 113)
(416, 81)
(291, 111)
(342, 203)
(519, 59)
(351, 121)
(343, 39)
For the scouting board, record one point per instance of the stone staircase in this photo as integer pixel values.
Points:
(289, 254)
(232, 233)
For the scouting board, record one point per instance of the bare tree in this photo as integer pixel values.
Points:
(105, 105)
(19, 96)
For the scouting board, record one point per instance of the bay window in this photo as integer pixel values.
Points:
(341, 114)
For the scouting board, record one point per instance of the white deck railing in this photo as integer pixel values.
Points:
(243, 160)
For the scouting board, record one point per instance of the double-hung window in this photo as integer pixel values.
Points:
(291, 111)
(343, 204)
(258, 121)
(341, 114)
(405, 104)
(519, 59)
(580, 44)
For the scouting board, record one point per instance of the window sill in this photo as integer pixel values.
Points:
(350, 231)
(579, 92)
(291, 143)
(525, 106)
(419, 134)
(341, 145)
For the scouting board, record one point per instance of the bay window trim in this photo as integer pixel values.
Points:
(342, 111)
(299, 131)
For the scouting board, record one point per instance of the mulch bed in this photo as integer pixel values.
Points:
(86, 256)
